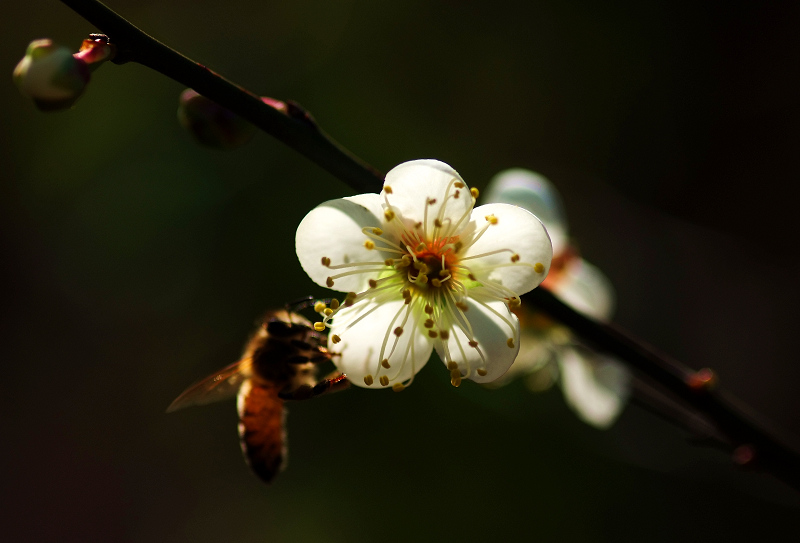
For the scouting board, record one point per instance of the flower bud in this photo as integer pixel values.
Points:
(51, 76)
(211, 124)
(95, 50)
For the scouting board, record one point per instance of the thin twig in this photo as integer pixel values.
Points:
(753, 446)
(297, 129)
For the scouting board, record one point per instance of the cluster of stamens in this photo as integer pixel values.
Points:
(428, 264)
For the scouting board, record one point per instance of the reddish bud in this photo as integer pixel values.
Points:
(702, 380)
(211, 124)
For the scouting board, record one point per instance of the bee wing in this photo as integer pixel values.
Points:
(217, 386)
(262, 431)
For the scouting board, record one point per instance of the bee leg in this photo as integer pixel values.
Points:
(308, 352)
(334, 383)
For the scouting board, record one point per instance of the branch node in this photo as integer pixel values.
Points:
(744, 456)
(702, 380)
(296, 111)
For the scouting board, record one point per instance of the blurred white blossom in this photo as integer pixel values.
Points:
(594, 385)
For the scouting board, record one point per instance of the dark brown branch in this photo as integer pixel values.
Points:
(752, 445)
(296, 129)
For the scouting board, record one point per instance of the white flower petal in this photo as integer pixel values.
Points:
(520, 232)
(587, 289)
(414, 183)
(492, 326)
(595, 386)
(361, 343)
(333, 230)
(537, 194)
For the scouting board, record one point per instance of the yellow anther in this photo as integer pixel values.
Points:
(444, 273)
(319, 307)
(388, 214)
(422, 278)
(387, 189)
(538, 267)
(491, 218)
(369, 245)
(510, 343)
(421, 266)
(458, 185)
(429, 309)
(436, 283)
(334, 304)
(437, 223)
(475, 192)
(462, 306)
(326, 261)
(328, 311)
(377, 231)
(514, 303)
(368, 380)
(455, 378)
(420, 247)
(389, 262)
(398, 387)
(319, 326)
(373, 283)
(406, 293)
(329, 282)
(385, 363)
(444, 334)
(433, 334)
(351, 296)
(482, 372)
(452, 365)
(428, 323)
(473, 344)
(384, 380)
(398, 331)
(515, 257)
(335, 339)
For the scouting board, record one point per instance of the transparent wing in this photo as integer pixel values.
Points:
(217, 386)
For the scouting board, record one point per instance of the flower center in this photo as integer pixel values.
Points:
(431, 263)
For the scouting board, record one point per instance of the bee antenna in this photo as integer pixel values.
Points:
(299, 304)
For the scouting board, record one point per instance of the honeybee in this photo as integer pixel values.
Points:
(279, 363)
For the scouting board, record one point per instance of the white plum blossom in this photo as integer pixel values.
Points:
(423, 269)
(594, 385)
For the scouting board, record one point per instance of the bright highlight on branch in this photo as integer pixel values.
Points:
(423, 269)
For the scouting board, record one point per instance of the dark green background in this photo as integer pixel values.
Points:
(135, 262)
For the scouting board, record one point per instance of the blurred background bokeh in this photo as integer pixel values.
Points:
(135, 262)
